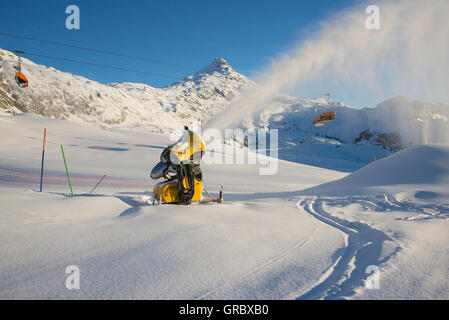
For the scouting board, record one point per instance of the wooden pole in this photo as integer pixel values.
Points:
(97, 184)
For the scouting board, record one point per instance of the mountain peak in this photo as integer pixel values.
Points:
(217, 65)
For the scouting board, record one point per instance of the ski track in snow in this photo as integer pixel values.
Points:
(424, 211)
(388, 202)
(364, 246)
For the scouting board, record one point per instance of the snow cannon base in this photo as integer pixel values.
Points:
(167, 191)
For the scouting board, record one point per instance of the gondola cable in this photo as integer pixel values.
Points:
(93, 64)
(96, 50)
(101, 65)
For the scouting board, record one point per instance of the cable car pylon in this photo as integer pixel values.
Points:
(21, 80)
(324, 116)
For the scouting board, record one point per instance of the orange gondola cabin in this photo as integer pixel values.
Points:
(21, 80)
(323, 119)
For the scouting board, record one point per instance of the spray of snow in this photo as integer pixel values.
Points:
(407, 55)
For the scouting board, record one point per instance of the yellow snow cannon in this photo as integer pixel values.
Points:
(180, 167)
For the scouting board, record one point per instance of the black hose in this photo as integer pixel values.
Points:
(185, 193)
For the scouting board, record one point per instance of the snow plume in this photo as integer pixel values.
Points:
(406, 56)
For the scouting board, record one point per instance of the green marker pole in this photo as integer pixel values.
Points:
(67, 170)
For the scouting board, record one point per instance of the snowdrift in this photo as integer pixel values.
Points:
(417, 166)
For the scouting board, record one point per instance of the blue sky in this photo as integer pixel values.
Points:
(246, 33)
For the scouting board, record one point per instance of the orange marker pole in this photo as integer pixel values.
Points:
(43, 154)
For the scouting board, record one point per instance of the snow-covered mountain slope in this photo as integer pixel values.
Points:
(61, 95)
(6, 100)
(352, 140)
(355, 137)
(195, 98)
